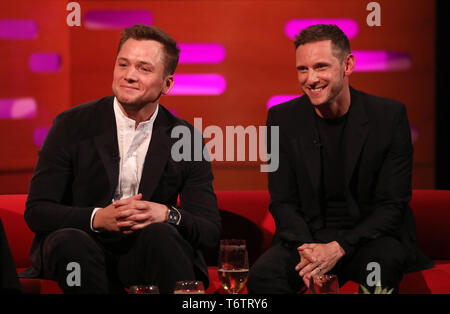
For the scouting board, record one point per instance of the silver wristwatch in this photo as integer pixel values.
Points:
(174, 216)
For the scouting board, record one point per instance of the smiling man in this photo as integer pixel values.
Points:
(340, 195)
(105, 188)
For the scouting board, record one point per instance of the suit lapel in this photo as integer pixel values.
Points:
(157, 155)
(355, 133)
(106, 141)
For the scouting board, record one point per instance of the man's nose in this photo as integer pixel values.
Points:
(131, 74)
(312, 78)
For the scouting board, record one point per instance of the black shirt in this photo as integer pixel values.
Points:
(333, 189)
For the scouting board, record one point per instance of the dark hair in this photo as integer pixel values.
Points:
(319, 32)
(145, 32)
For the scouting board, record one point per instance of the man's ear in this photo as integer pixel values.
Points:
(349, 64)
(167, 84)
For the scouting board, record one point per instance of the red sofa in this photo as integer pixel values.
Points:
(245, 215)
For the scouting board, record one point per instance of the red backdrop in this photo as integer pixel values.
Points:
(259, 63)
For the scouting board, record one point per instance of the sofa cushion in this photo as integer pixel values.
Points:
(238, 227)
(432, 214)
(38, 286)
(431, 209)
(435, 280)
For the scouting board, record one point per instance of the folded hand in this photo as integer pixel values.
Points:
(135, 214)
(318, 259)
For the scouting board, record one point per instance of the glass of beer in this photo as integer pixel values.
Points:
(233, 265)
(189, 287)
(324, 284)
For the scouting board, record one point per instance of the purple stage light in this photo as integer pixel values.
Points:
(279, 99)
(198, 84)
(201, 53)
(45, 62)
(173, 111)
(348, 26)
(379, 60)
(17, 108)
(18, 29)
(39, 135)
(106, 19)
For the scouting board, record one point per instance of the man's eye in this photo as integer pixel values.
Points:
(122, 65)
(146, 69)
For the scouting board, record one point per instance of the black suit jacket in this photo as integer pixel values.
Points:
(378, 158)
(78, 170)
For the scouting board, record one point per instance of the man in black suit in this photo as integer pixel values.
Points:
(340, 195)
(104, 192)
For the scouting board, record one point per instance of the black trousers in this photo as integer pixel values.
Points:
(156, 255)
(274, 271)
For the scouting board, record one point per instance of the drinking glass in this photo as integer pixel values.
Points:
(143, 289)
(189, 287)
(233, 265)
(324, 284)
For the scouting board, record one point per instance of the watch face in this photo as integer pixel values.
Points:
(174, 216)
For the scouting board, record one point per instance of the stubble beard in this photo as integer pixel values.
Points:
(334, 92)
(137, 104)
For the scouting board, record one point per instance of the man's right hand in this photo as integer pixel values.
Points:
(105, 218)
(320, 257)
(304, 261)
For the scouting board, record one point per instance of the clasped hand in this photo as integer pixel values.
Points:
(129, 214)
(317, 259)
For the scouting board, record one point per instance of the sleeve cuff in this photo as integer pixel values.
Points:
(92, 219)
(349, 249)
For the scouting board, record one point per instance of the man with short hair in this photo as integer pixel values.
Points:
(105, 188)
(340, 195)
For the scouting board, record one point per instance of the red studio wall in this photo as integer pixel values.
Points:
(237, 59)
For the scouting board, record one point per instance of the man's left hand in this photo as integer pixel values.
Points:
(325, 256)
(137, 214)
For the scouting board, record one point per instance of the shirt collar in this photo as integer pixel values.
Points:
(123, 119)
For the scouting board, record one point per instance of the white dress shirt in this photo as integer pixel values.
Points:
(133, 145)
